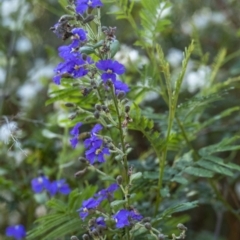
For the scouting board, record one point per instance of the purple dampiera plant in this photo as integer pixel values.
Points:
(110, 68)
(16, 231)
(83, 5)
(123, 217)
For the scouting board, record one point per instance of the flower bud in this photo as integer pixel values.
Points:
(96, 114)
(85, 237)
(88, 19)
(80, 173)
(148, 226)
(74, 238)
(161, 236)
(119, 180)
(69, 105)
(66, 18)
(83, 160)
(98, 107)
(127, 108)
(104, 28)
(181, 227)
(95, 232)
(120, 94)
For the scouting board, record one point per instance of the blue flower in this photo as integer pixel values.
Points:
(99, 222)
(39, 184)
(107, 193)
(123, 217)
(110, 68)
(74, 65)
(83, 5)
(75, 129)
(120, 86)
(79, 36)
(87, 205)
(16, 231)
(96, 154)
(94, 141)
(75, 132)
(58, 186)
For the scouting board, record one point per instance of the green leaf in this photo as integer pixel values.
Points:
(151, 175)
(135, 176)
(199, 172)
(215, 167)
(117, 203)
(177, 208)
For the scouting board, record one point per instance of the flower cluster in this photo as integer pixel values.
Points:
(43, 183)
(95, 146)
(16, 231)
(93, 202)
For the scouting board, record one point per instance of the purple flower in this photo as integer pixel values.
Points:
(123, 217)
(96, 154)
(58, 186)
(120, 86)
(87, 205)
(16, 231)
(79, 36)
(74, 65)
(82, 5)
(75, 133)
(107, 193)
(100, 222)
(110, 68)
(94, 141)
(39, 184)
(98, 127)
(75, 129)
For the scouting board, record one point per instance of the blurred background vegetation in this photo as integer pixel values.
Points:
(34, 139)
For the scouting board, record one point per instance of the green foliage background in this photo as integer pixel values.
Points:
(200, 183)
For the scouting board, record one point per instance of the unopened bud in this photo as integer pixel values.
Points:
(120, 94)
(161, 236)
(148, 226)
(96, 114)
(88, 19)
(80, 173)
(84, 56)
(74, 238)
(69, 105)
(104, 28)
(98, 107)
(85, 237)
(66, 18)
(181, 227)
(95, 232)
(82, 159)
(119, 180)
(127, 108)
(73, 116)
